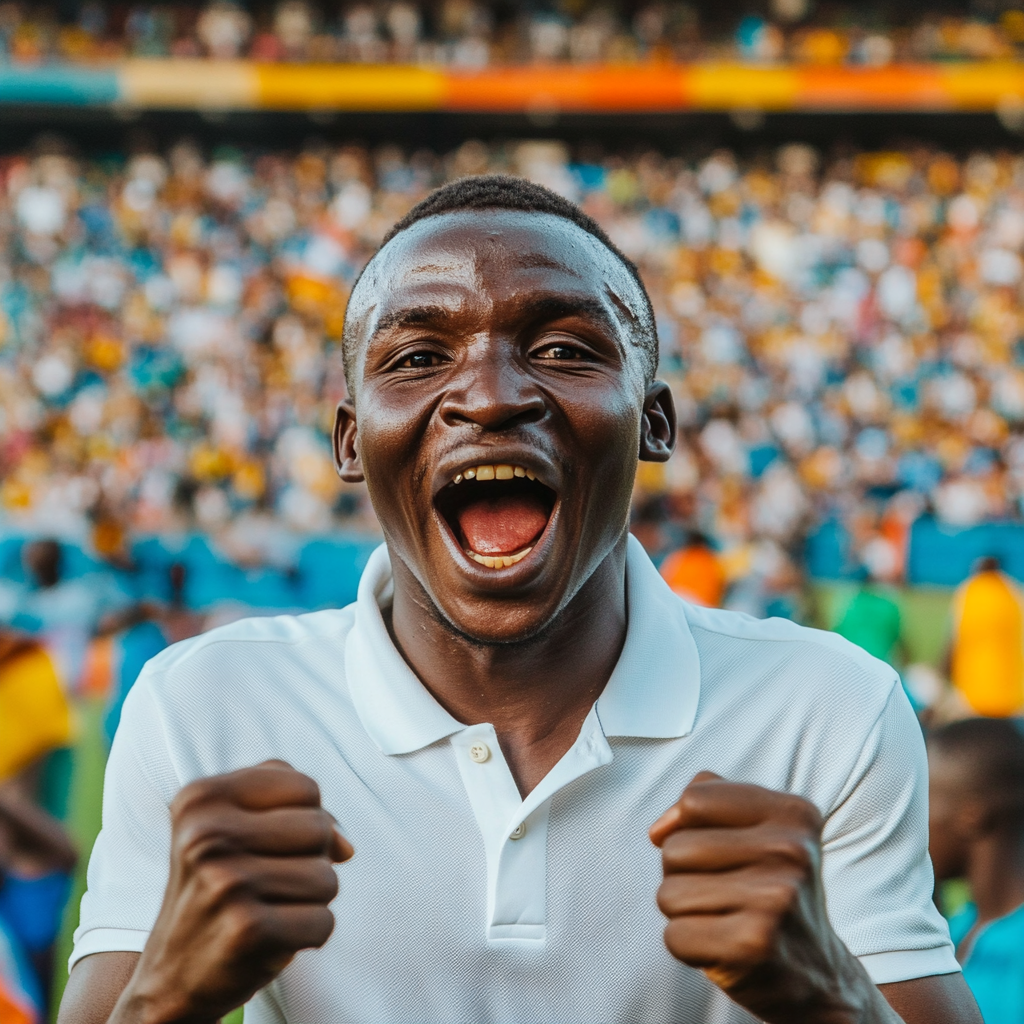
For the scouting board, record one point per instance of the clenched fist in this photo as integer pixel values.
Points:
(251, 878)
(744, 900)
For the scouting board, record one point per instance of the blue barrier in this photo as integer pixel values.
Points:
(327, 569)
(945, 557)
(60, 85)
(326, 573)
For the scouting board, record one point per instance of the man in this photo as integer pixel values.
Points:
(872, 619)
(64, 613)
(511, 702)
(987, 653)
(36, 855)
(976, 779)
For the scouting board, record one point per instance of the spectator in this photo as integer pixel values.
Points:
(34, 714)
(36, 857)
(987, 648)
(976, 782)
(872, 619)
(63, 612)
(695, 572)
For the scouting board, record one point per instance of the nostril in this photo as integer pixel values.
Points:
(496, 414)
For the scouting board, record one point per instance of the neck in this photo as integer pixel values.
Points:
(995, 871)
(536, 693)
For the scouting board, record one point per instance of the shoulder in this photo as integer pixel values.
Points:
(805, 666)
(762, 634)
(250, 658)
(254, 636)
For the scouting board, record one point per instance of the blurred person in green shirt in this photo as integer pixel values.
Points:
(872, 619)
(976, 780)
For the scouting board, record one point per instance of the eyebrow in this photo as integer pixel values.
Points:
(546, 308)
(535, 260)
(415, 316)
(543, 309)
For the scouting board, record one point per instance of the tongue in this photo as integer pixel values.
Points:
(502, 526)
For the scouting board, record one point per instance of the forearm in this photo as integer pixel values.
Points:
(814, 982)
(139, 1004)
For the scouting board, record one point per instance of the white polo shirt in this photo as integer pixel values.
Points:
(463, 901)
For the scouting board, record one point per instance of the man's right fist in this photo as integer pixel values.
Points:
(251, 878)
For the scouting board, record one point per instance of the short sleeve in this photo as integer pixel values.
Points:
(130, 861)
(876, 868)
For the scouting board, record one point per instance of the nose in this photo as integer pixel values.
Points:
(492, 393)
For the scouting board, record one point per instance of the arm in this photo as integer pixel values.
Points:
(250, 882)
(745, 902)
(32, 831)
(942, 999)
(95, 985)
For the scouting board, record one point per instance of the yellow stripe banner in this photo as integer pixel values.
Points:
(241, 85)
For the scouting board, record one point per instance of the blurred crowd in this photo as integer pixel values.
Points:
(468, 33)
(842, 337)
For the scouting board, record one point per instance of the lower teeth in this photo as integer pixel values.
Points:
(499, 561)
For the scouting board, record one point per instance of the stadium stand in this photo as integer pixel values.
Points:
(464, 33)
(842, 337)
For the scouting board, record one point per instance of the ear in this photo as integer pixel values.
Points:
(658, 425)
(345, 441)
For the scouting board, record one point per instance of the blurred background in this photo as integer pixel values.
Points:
(826, 201)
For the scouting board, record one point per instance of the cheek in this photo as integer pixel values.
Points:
(391, 436)
(607, 430)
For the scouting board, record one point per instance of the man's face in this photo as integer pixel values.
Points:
(501, 403)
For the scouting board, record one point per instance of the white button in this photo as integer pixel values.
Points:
(480, 752)
(519, 831)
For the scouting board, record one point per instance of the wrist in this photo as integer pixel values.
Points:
(854, 998)
(833, 988)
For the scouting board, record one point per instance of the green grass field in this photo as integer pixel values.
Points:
(925, 617)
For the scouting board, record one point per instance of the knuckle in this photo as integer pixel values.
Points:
(328, 882)
(222, 883)
(807, 814)
(191, 796)
(246, 925)
(196, 842)
(783, 896)
(676, 936)
(757, 943)
(796, 850)
(320, 927)
(671, 895)
(691, 802)
(673, 849)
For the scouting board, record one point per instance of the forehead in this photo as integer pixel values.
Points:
(497, 252)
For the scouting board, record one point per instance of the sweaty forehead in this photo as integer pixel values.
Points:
(499, 251)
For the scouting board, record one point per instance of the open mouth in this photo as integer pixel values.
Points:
(496, 512)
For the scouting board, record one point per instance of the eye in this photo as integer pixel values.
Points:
(419, 361)
(559, 350)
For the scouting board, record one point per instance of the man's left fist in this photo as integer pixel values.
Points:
(743, 895)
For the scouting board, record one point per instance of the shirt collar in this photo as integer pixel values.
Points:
(653, 690)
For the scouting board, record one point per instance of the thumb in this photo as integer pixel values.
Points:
(673, 817)
(341, 849)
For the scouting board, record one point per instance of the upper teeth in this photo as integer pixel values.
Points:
(498, 471)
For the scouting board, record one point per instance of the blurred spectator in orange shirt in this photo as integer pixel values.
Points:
(987, 657)
(695, 572)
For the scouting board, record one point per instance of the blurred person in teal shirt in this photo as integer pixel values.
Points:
(976, 778)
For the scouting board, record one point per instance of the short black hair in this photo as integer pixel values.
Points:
(506, 192)
(991, 753)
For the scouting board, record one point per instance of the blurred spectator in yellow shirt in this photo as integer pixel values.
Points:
(34, 714)
(36, 854)
(987, 655)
